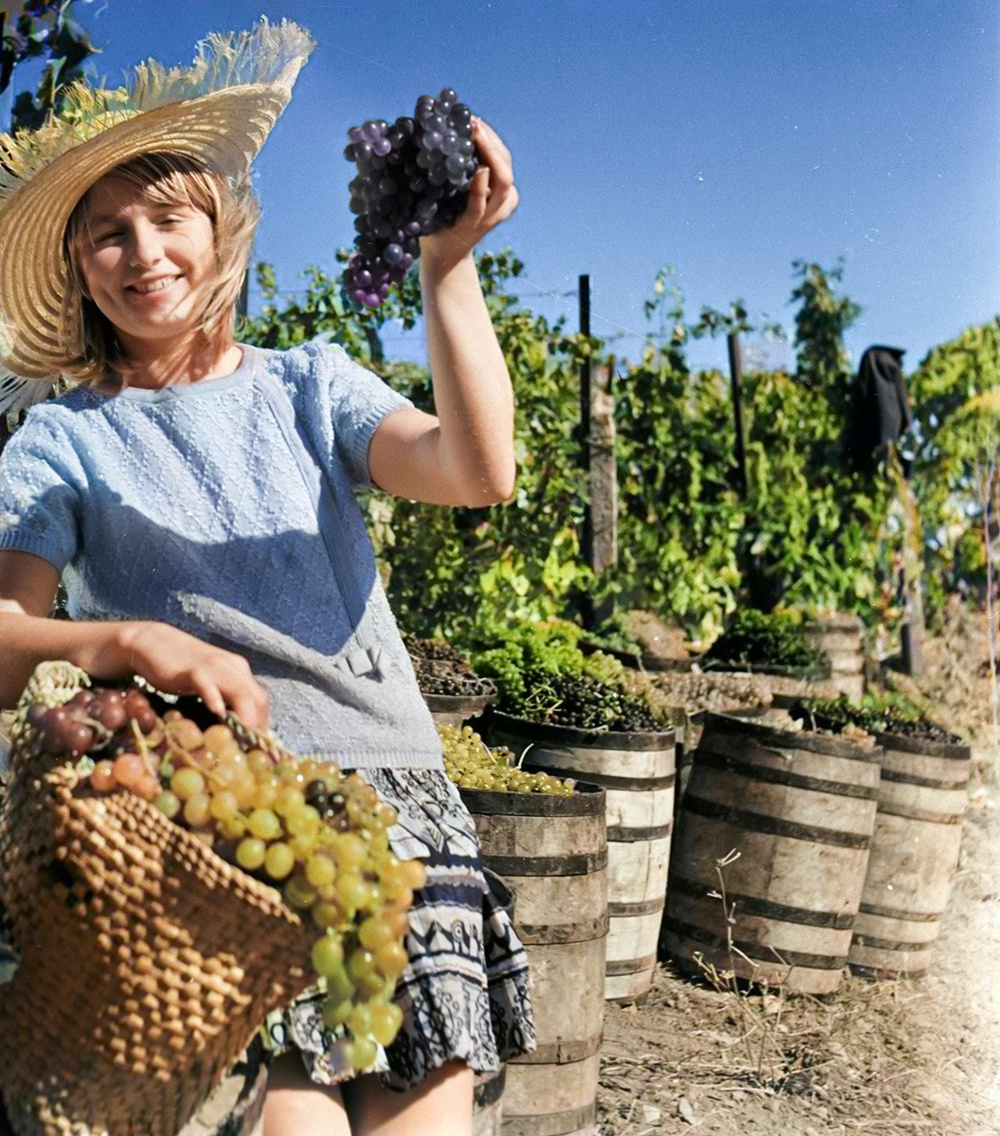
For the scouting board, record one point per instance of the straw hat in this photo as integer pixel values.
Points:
(218, 110)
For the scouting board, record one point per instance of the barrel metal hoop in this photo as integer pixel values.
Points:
(561, 1052)
(641, 907)
(923, 782)
(641, 741)
(898, 913)
(550, 1123)
(919, 814)
(901, 743)
(549, 934)
(753, 951)
(625, 834)
(771, 737)
(607, 781)
(774, 826)
(616, 968)
(586, 801)
(582, 864)
(890, 945)
(783, 777)
(754, 905)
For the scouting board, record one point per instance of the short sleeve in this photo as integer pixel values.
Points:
(358, 402)
(38, 497)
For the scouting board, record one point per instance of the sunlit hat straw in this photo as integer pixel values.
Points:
(219, 110)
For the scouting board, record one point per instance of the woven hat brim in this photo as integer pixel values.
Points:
(225, 129)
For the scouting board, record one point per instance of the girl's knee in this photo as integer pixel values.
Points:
(296, 1107)
(441, 1105)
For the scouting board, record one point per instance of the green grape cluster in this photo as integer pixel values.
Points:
(321, 837)
(471, 764)
(543, 676)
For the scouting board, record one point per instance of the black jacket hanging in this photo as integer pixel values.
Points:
(879, 410)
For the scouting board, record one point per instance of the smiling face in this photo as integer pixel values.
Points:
(148, 262)
(156, 253)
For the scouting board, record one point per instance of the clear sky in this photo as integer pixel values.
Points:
(725, 137)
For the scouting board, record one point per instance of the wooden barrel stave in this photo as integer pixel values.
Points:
(914, 856)
(637, 874)
(799, 809)
(565, 983)
(537, 840)
(561, 909)
(572, 1103)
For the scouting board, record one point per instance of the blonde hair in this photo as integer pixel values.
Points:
(90, 344)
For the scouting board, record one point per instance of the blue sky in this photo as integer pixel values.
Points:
(725, 137)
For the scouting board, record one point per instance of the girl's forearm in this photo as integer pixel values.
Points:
(473, 398)
(27, 640)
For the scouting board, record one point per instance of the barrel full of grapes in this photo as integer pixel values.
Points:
(552, 852)
(914, 855)
(770, 854)
(637, 771)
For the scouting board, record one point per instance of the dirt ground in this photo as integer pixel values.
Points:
(876, 1058)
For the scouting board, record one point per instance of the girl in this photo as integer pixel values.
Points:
(195, 496)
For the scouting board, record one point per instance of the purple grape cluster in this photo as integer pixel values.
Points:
(413, 178)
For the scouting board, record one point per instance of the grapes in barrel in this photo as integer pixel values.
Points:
(412, 179)
(471, 764)
(318, 835)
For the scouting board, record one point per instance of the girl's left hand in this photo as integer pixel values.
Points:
(493, 197)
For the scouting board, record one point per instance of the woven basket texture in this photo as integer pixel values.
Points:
(147, 961)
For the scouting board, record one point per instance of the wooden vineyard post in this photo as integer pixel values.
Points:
(603, 469)
(597, 433)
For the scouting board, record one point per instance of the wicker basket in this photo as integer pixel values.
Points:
(147, 961)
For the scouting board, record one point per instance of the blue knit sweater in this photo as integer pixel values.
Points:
(226, 507)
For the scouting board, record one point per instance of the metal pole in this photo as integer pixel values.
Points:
(586, 382)
(586, 378)
(736, 379)
(586, 400)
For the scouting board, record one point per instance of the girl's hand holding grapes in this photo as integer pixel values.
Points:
(493, 197)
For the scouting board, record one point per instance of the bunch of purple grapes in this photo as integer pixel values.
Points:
(413, 178)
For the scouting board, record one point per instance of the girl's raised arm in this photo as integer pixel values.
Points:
(463, 454)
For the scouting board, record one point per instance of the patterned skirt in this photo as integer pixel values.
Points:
(464, 993)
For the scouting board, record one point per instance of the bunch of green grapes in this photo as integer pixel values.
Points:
(471, 764)
(319, 836)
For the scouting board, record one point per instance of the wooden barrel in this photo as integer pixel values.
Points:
(839, 635)
(637, 772)
(456, 709)
(914, 855)
(799, 809)
(552, 851)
